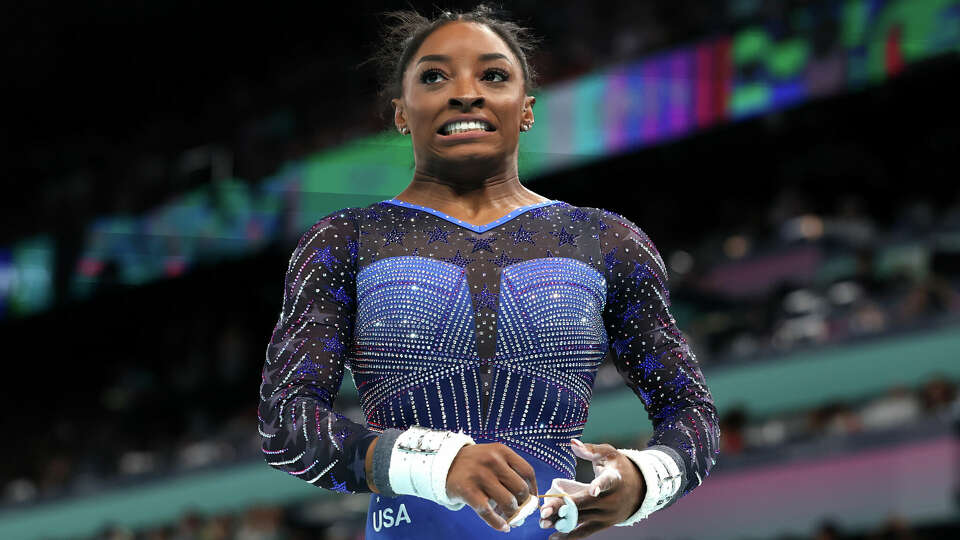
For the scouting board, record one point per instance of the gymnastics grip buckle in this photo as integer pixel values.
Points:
(420, 460)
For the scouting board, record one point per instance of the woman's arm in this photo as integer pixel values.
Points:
(304, 367)
(652, 355)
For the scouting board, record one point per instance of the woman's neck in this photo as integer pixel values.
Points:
(485, 197)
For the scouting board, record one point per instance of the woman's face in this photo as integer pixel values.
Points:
(463, 68)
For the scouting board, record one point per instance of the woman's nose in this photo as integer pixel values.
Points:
(467, 103)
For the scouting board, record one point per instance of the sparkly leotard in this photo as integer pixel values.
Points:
(497, 330)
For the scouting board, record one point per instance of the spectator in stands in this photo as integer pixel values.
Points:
(894, 528)
(851, 224)
(262, 523)
(827, 530)
(843, 419)
(897, 407)
(820, 418)
(929, 295)
(188, 528)
(115, 532)
(868, 317)
(731, 425)
(866, 275)
(157, 533)
(218, 528)
(938, 394)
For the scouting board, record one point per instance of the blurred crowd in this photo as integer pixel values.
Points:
(899, 407)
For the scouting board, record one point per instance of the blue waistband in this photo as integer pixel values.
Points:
(407, 516)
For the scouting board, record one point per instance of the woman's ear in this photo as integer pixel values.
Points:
(528, 110)
(399, 119)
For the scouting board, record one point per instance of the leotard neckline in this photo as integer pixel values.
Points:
(475, 228)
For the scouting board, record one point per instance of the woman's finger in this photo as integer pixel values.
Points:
(514, 482)
(524, 470)
(583, 450)
(608, 478)
(583, 515)
(507, 503)
(480, 503)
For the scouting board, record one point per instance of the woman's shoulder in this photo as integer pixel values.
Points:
(608, 219)
(340, 224)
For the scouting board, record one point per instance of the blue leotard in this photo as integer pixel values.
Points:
(497, 330)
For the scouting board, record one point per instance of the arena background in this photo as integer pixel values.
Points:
(795, 162)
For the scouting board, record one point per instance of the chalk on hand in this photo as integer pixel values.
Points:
(528, 508)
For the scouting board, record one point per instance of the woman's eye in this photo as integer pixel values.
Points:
(425, 77)
(503, 76)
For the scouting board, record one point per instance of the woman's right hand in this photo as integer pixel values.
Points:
(481, 472)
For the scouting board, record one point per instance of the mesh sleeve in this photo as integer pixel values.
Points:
(304, 366)
(651, 353)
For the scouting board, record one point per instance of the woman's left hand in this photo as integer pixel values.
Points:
(615, 493)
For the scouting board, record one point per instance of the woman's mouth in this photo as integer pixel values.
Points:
(475, 127)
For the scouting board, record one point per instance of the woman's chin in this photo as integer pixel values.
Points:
(471, 153)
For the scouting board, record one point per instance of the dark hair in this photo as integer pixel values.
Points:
(401, 40)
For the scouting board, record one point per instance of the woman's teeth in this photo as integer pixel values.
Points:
(460, 127)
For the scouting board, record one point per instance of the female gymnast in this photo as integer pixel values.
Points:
(474, 315)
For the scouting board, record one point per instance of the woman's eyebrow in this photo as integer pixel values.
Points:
(445, 58)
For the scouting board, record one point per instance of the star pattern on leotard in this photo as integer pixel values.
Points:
(648, 364)
(678, 382)
(612, 294)
(667, 412)
(641, 271)
(620, 345)
(610, 259)
(485, 299)
(503, 260)
(521, 235)
(633, 310)
(458, 260)
(333, 344)
(438, 234)
(395, 236)
(482, 243)
(644, 396)
(341, 296)
(324, 257)
(577, 214)
(408, 213)
(602, 225)
(563, 237)
(307, 369)
(538, 213)
(352, 247)
(373, 215)
(339, 486)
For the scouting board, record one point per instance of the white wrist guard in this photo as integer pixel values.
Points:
(661, 476)
(420, 460)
